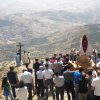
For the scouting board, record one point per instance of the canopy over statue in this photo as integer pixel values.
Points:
(84, 59)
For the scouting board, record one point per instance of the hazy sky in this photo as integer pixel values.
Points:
(43, 5)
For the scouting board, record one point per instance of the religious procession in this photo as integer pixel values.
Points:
(73, 76)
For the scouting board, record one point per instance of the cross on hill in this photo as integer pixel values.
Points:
(20, 48)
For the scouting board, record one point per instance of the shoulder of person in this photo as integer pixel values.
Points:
(61, 77)
(25, 87)
(37, 72)
(50, 70)
(14, 72)
(8, 72)
(18, 89)
(50, 63)
(43, 71)
(29, 73)
(95, 79)
(64, 72)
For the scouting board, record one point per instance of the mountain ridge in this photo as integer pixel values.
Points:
(43, 32)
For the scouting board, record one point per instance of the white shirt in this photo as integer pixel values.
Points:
(26, 77)
(39, 74)
(50, 65)
(59, 81)
(22, 93)
(25, 58)
(96, 85)
(94, 73)
(98, 64)
(48, 74)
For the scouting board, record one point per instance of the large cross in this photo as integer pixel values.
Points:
(20, 48)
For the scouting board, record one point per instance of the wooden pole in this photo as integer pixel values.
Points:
(20, 49)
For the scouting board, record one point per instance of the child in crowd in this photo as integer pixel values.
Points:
(6, 88)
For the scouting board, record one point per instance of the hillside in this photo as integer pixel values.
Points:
(43, 32)
(70, 38)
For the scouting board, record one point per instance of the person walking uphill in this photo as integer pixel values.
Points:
(25, 58)
(40, 88)
(83, 89)
(58, 66)
(36, 66)
(28, 80)
(13, 80)
(28, 68)
(6, 89)
(69, 86)
(77, 77)
(59, 85)
(48, 81)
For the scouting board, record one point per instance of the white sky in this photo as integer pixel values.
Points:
(44, 5)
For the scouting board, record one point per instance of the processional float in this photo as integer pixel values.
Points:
(84, 60)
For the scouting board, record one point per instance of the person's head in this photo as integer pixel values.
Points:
(58, 59)
(55, 55)
(89, 72)
(11, 68)
(56, 74)
(17, 53)
(60, 55)
(47, 59)
(46, 66)
(81, 69)
(41, 68)
(26, 64)
(90, 57)
(67, 55)
(4, 81)
(21, 84)
(68, 67)
(25, 69)
(36, 60)
(42, 61)
(28, 52)
(53, 58)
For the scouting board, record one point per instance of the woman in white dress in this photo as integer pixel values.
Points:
(21, 91)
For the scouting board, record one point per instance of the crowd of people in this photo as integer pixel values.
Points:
(58, 75)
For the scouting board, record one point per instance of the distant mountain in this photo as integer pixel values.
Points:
(47, 32)
(70, 38)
